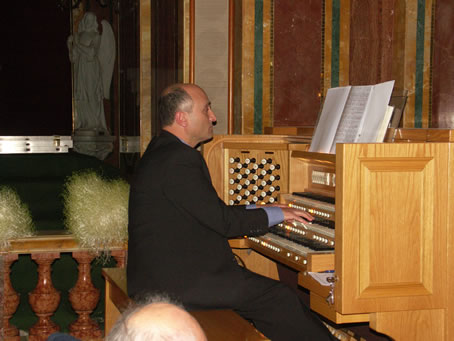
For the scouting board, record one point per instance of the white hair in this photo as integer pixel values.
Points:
(153, 331)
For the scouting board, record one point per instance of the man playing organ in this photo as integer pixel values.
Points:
(179, 229)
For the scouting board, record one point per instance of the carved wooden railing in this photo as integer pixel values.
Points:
(44, 299)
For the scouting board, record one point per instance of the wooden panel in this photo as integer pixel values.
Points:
(247, 66)
(423, 135)
(407, 183)
(293, 130)
(239, 243)
(391, 226)
(46, 241)
(319, 305)
(145, 74)
(111, 312)
(345, 21)
(116, 299)
(419, 325)
(258, 146)
(320, 262)
(301, 165)
(252, 260)
(308, 282)
(226, 325)
(327, 44)
(449, 320)
(187, 64)
(257, 263)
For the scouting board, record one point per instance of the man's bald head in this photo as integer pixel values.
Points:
(158, 321)
(172, 99)
(167, 320)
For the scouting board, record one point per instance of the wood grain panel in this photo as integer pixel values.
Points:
(320, 305)
(344, 43)
(327, 46)
(247, 65)
(145, 74)
(411, 326)
(397, 250)
(257, 263)
(406, 183)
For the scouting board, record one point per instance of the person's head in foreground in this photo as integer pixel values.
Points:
(157, 319)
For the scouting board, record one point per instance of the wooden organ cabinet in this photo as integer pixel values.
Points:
(393, 252)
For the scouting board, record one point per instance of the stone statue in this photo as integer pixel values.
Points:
(93, 57)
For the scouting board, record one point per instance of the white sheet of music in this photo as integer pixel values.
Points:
(376, 112)
(329, 119)
(352, 119)
(351, 114)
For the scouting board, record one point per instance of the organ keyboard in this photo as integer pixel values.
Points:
(317, 208)
(287, 250)
(394, 227)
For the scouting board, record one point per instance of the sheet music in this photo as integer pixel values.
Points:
(384, 125)
(376, 111)
(351, 114)
(352, 119)
(329, 119)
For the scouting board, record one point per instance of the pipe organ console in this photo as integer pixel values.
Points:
(383, 230)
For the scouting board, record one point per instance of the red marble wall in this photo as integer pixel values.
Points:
(443, 66)
(297, 60)
(371, 36)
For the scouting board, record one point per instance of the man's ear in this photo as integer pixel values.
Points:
(181, 118)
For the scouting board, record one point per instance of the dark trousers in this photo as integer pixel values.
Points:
(281, 315)
(275, 309)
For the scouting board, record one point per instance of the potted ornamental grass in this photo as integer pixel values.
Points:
(96, 211)
(15, 218)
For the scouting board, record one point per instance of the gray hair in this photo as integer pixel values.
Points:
(153, 332)
(173, 99)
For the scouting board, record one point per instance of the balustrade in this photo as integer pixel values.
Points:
(45, 299)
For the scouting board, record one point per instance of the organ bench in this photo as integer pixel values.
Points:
(392, 253)
(218, 325)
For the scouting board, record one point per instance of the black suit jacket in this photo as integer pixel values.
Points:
(179, 230)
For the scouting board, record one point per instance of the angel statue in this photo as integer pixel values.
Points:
(93, 56)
